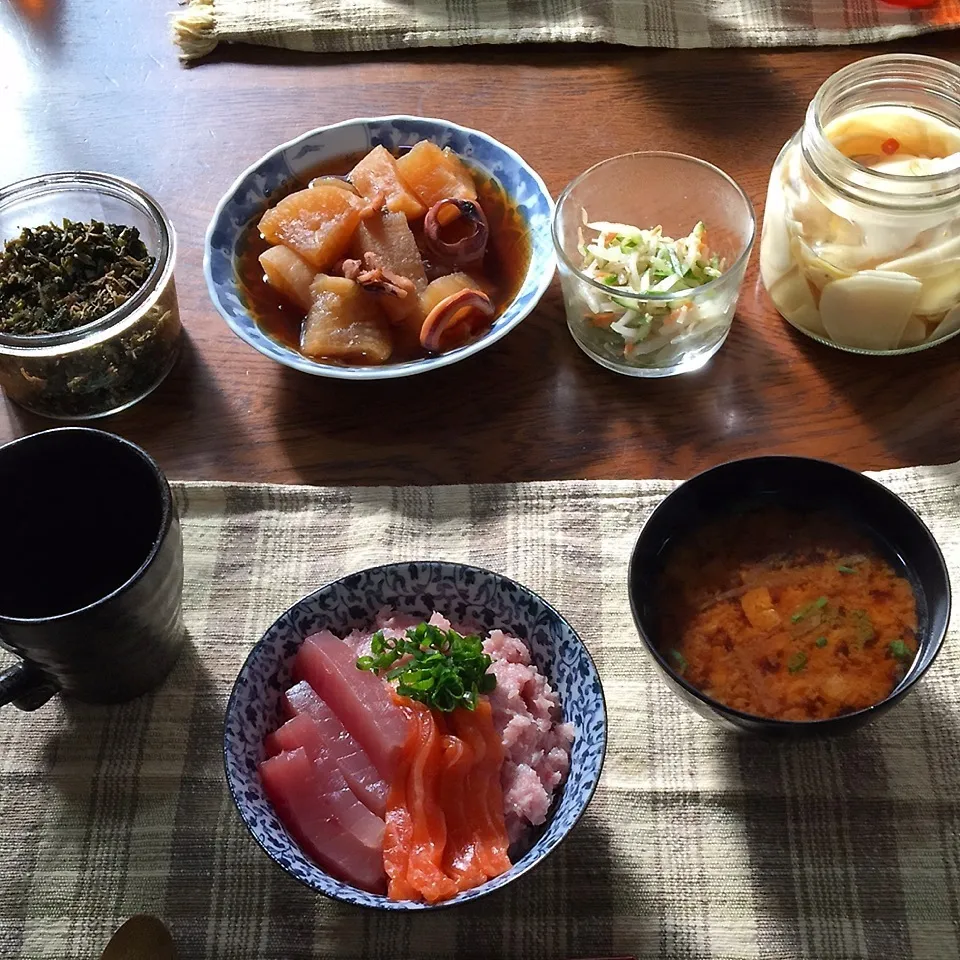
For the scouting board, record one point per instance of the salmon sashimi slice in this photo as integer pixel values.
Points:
(358, 770)
(376, 174)
(398, 830)
(460, 860)
(289, 274)
(360, 700)
(484, 795)
(429, 834)
(317, 223)
(298, 791)
(434, 174)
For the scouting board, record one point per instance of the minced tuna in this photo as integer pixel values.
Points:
(526, 711)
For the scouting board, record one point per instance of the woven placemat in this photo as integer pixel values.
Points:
(332, 26)
(698, 844)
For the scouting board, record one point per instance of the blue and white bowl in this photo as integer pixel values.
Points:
(248, 196)
(462, 593)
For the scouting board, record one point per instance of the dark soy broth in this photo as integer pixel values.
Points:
(505, 264)
(72, 532)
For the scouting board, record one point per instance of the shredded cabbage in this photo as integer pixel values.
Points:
(633, 261)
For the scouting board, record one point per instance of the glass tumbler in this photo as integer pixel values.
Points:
(675, 332)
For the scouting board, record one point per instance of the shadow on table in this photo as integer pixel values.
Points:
(530, 407)
(472, 421)
(109, 743)
(566, 907)
(842, 843)
(40, 17)
(909, 420)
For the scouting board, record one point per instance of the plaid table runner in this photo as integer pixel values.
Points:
(698, 844)
(327, 26)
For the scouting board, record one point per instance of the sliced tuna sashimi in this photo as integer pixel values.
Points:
(299, 791)
(354, 816)
(302, 702)
(360, 701)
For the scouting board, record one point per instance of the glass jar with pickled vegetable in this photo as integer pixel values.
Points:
(89, 319)
(861, 237)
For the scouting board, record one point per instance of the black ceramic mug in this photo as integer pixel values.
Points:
(91, 569)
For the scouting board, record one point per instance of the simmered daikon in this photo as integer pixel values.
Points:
(356, 254)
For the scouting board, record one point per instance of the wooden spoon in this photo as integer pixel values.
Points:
(142, 937)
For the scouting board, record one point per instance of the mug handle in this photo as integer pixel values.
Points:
(25, 686)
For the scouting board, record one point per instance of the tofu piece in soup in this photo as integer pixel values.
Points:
(434, 174)
(377, 174)
(345, 323)
(318, 223)
(289, 274)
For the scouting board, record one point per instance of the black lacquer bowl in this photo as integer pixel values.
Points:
(801, 483)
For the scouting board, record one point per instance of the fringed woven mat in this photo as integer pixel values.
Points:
(332, 26)
(698, 844)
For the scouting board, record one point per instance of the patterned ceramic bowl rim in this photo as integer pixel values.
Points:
(386, 371)
(486, 888)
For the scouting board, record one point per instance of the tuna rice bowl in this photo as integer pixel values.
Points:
(416, 758)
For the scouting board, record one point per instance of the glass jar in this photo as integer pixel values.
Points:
(107, 365)
(652, 334)
(860, 246)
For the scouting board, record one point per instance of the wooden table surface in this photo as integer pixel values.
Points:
(95, 85)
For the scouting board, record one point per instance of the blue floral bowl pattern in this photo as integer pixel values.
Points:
(465, 594)
(247, 198)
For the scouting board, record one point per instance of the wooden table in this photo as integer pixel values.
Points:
(93, 85)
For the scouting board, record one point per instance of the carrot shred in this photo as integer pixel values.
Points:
(602, 319)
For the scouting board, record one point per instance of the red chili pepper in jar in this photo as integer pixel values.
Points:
(890, 147)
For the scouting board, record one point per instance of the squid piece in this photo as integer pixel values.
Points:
(465, 226)
(459, 316)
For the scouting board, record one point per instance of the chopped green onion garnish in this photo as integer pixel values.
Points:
(899, 650)
(817, 604)
(821, 641)
(797, 662)
(843, 568)
(445, 670)
(680, 660)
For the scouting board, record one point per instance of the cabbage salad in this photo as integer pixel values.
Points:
(631, 262)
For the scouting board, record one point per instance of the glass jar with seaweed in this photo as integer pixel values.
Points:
(71, 349)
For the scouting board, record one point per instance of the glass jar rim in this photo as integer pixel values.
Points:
(714, 284)
(120, 188)
(872, 70)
